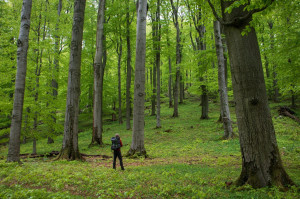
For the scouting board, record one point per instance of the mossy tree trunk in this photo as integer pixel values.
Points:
(261, 162)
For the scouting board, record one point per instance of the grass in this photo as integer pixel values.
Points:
(187, 159)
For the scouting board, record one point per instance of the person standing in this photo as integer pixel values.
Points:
(116, 147)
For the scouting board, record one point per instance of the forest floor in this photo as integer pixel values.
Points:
(187, 159)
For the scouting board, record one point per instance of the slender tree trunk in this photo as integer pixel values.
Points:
(178, 59)
(170, 83)
(137, 144)
(128, 77)
(153, 97)
(228, 133)
(261, 162)
(98, 78)
(158, 124)
(70, 149)
(16, 123)
(275, 86)
(55, 71)
(119, 80)
(181, 89)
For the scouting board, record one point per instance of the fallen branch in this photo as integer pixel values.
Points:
(285, 111)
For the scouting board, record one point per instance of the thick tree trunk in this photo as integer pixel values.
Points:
(98, 78)
(70, 149)
(137, 144)
(225, 114)
(16, 123)
(261, 162)
(128, 77)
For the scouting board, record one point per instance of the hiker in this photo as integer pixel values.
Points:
(116, 147)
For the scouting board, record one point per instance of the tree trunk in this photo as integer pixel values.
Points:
(178, 58)
(137, 144)
(55, 71)
(261, 162)
(204, 102)
(181, 89)
(153, 97)
(225, 114)
(170, 83)
(16, 123)
(98, 78)
(119, 80)
(158, 36)
(128, 77)
(70, 149)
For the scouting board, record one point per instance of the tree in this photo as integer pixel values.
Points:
(70, 149)
(157, 59)
(225, 114)
(261, 165)
(178, 56)
(16, 123)
(55, 70)
(137, 144)
(128, 75)
(98, 77)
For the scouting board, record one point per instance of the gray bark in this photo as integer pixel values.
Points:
(178, 58)
(16, 123)
(158, 49)
(137, 144)
(225, 114)
(55, 71)
(98, 78)
(128, 76)
(261, 162)
(70, 149)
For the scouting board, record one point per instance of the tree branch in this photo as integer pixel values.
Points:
(214, 12)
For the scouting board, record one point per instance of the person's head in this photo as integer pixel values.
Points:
(117, 135)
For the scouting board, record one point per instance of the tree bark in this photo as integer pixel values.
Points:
(137, 144)
(178, 58)
(128, 77)
(158, 36)
(55, 71)
(119, 51)
(261, 162)
(16, 123)
(70, 149)
(98, 78)
(225, 114)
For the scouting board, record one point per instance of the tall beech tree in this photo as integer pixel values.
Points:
(225, 114)
(16, 123)
(128, 70)
(70, 149)
(55, 70)
(137, 144)
(157, 60)
(175, 9)
(261, 161)
(98, 77)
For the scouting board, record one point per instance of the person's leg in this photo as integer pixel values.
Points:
(115, 158)
(121, 160)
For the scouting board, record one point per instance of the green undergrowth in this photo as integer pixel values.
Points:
(187, 159)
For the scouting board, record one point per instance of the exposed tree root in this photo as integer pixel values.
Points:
(285, 111)
(136, 153)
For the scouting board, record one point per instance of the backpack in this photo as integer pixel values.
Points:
(115, 143)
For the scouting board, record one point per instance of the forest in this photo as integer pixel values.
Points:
(205, 95)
